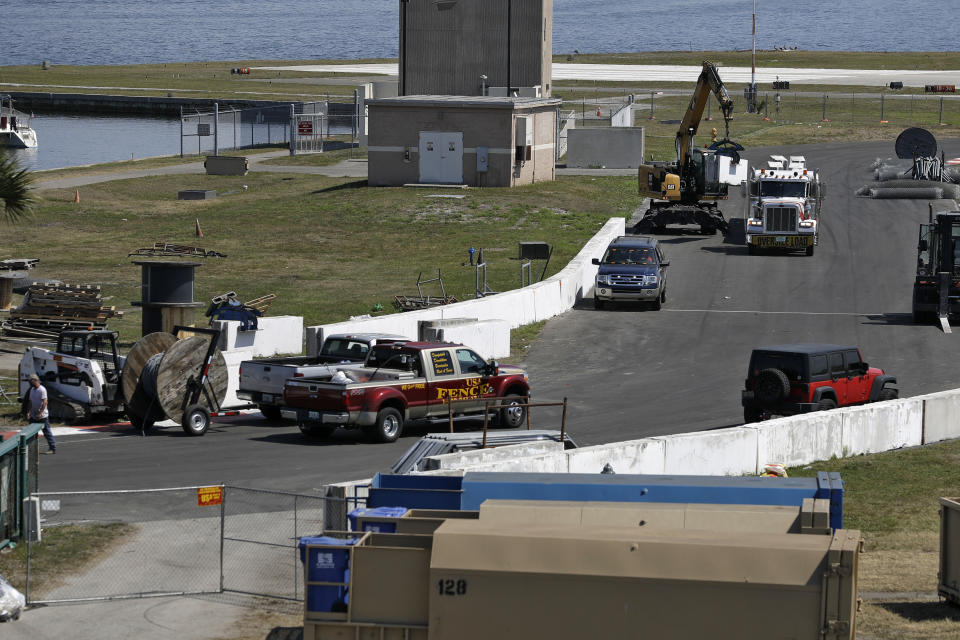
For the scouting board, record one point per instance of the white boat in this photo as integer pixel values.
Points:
(15, 128)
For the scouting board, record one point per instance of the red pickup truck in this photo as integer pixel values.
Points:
(403, 382)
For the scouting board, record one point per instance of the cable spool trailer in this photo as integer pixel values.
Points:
(181, 379)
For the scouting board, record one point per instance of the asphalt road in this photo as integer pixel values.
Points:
(627, 372)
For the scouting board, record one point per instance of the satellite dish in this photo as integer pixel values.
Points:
(915, 143)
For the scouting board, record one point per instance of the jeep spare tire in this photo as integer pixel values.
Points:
(771, 386)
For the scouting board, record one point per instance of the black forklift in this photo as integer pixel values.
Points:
(936, 290)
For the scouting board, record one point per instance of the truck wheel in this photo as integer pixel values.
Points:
(195, 420)
(826, 404)
(751, 414)
(514, 412)
(771, 386)
(888, 394)
(270, 412)
(657, 304)
(388, 426)
(597, 302)
(751, 249)
(810, 250)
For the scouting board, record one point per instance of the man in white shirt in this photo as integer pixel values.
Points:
(37, 399)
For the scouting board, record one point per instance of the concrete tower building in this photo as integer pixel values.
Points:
(448, 46)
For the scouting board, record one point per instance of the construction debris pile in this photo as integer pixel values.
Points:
(176, 250)
(48, 309)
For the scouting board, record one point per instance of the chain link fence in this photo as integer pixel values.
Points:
(178, 541)
(865, 108)
(230, 128)
(260, 536)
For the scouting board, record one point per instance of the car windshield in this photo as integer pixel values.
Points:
(790, 363)
(630, 255)
(777, 189)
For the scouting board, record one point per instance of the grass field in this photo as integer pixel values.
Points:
(328, 247)
(893, 499)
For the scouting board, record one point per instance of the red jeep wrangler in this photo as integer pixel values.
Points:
(797, 378)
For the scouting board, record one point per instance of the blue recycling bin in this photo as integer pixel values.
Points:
(377, 519)
(326, 560)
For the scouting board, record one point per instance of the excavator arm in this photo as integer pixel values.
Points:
(708, 82)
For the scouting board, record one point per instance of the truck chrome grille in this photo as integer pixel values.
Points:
(623, 278)
(780, 219)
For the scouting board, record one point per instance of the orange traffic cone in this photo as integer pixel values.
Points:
(598, 112)
(76, 196)
(199, 232)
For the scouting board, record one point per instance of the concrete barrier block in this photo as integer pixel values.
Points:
(469, 460)
(635, 456)
(274, 335)
(800, 439)
(722, 452)
(882, 426)
(548, 463)
(941, 416)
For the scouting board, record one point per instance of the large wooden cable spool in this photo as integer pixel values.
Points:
(160, 375)
(139, 404)
(183, 362)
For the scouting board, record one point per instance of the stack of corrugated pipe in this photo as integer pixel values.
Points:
(925, 180)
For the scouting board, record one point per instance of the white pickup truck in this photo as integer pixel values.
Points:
(261, 381)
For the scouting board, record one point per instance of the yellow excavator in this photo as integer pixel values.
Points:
(686, 190)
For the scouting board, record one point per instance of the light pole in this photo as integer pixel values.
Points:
(483, 85)
(751, 91)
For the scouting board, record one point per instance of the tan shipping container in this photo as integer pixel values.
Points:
(488, 581)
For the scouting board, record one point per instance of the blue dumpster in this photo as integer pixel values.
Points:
(326, 559)
(377, 519)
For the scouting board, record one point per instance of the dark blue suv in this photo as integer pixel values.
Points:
(632, 268)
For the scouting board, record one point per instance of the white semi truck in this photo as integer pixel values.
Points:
(783, 206)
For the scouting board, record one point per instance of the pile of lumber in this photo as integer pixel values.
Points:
(48, 309)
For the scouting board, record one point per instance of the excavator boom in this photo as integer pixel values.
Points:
(708, 83)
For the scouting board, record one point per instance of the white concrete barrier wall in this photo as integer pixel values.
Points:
(882, 426)
(634, 456)
(941, 416)
(723, 452)
(536, 302)
(799, 439)
(274, 335)
(461, 459)
(791, 441)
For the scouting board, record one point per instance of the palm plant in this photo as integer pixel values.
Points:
(15, 184)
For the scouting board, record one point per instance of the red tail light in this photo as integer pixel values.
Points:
(298, 375)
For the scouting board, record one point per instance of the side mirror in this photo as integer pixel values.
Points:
(923, 245)
(666, 263)
(492, 368)
(595, 261)
(864, 367)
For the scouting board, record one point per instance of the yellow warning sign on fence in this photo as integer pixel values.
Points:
(209, 496)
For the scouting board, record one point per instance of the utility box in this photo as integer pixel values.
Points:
(948, 584)
(543, 581)
(385, 586)
(226, 165)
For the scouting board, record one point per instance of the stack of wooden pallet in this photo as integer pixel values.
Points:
(47, 309)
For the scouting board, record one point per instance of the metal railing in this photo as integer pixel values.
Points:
(500, 404)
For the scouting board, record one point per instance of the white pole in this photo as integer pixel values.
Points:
(753, 64)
